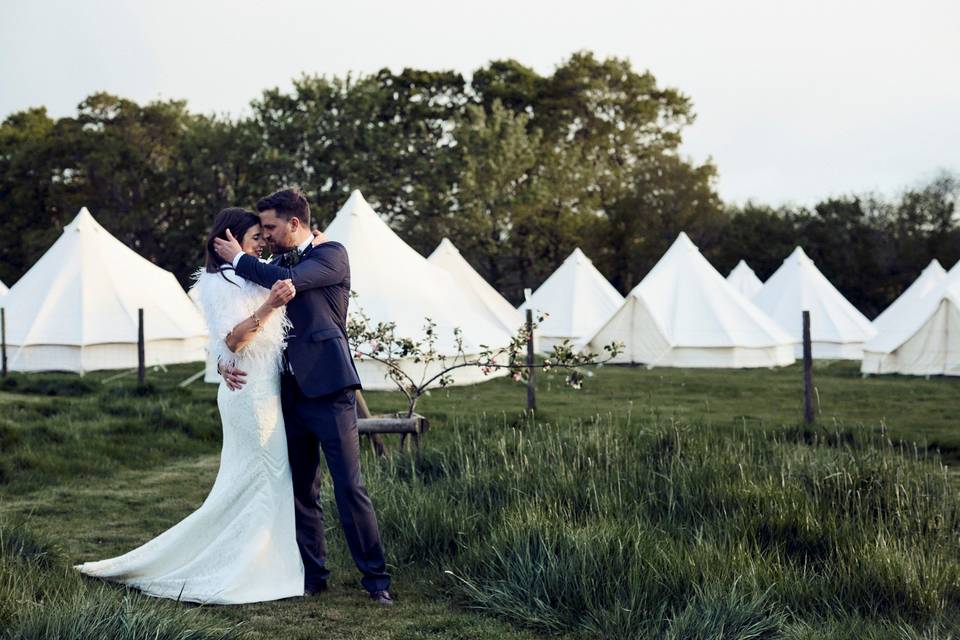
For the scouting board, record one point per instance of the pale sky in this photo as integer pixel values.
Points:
(796, 100)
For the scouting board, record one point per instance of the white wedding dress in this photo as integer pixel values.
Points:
(240, 545)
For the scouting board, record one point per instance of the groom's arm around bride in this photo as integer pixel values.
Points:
(322, 265)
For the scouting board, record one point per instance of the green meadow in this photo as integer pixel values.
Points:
(679, 504)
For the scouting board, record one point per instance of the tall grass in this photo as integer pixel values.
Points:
(663, 527)
(42, 598)
(656, 530)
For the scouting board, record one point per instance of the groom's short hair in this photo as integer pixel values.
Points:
(288, 203)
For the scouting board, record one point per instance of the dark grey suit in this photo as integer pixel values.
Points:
(319, 409)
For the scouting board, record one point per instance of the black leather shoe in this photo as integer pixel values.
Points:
(382, 597)
(314, 589)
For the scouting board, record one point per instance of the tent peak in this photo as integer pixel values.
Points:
(356, 202)
(935, 266)
(742, 266)
(83, 220)
(743, 279)
(683, 243)
(577, 255)
(446, 243)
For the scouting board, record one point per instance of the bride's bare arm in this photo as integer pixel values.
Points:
(243, 333)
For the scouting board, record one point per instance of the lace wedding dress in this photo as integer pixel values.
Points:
(240, 545)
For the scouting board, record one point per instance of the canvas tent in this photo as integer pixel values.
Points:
(906, 305)
(837, 329)
(577, 299)
(76, 308)
(447, 257)
(3, 288)
(685, 314)
(745, 280)
(396, 284)
(954, 273)
(921, 340)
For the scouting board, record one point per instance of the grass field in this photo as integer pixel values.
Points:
(663, 503)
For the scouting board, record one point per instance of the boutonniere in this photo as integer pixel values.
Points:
(293, 258)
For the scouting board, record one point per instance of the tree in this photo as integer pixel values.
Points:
(842, 238)
(28, 178)
(380, 343)
(496, 189)
(609, 165)
(517, 168)
(670, 196)
(924, 222)
(386, 134)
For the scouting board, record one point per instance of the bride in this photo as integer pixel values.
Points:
(240, 545)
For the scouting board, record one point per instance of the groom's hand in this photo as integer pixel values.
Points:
(227, 249)
(232, 376)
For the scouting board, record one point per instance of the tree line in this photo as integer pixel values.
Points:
(516, 167)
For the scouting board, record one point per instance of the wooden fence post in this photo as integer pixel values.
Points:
(3, 340)
(807, 371)
(531, 388)
(141, 351)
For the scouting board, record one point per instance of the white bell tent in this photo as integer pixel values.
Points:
(837, 329)
(921, 340)
(745, 280)
(76, 308)
(954, 273)
(447, 257)
(904, 308)
(684, 313)
(577, 300)
(396, 284)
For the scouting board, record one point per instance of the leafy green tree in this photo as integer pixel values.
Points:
(844, 239)
(517, 168)
(497, 188)
(523, 203)
(29, 178)
(385, 134)
(153, 175)
(610, 163)
(671, 196)
(757, 233)
(924, 222)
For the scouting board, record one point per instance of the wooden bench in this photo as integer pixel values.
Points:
(409, 429)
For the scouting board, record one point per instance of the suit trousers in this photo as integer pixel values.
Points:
(329, 423)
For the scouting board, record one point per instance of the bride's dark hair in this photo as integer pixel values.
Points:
(238, 221)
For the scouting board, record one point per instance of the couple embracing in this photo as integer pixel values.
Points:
(278, 331)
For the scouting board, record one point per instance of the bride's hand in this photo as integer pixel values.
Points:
(318, 237)
(281, 293)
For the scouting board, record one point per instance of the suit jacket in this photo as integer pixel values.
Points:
(317, 347)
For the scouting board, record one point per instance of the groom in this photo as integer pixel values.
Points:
(317, 387)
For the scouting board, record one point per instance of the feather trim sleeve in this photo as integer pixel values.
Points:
(227, 301)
